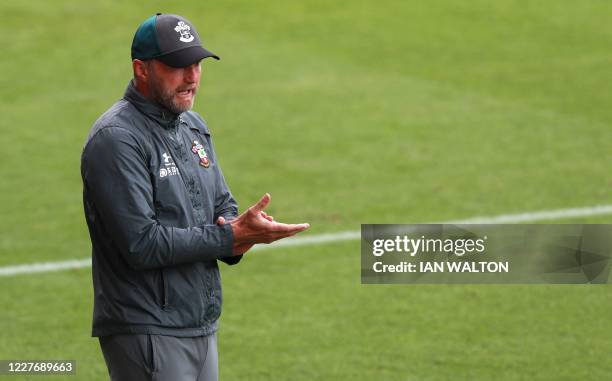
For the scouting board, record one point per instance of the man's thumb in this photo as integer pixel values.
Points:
(262, 203)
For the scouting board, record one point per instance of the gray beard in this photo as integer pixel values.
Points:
(166, 98)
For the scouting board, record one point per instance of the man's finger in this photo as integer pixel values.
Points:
(262, 203)
(267, 217)
(285, 228)
(221, 221)
(296, 228)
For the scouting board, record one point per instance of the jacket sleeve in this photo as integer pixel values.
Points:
(116, 177)
(225, 204)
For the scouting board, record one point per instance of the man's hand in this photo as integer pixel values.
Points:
(236, 250)
(255, 226)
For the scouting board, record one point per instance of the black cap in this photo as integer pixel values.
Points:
(169, 38)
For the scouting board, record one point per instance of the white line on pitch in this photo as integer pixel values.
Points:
(550, 215)
(45, 267)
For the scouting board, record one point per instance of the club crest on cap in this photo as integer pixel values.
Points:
(184, 30)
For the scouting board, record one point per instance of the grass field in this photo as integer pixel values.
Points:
(347, 113)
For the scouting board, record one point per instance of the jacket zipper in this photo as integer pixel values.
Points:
(202, 293)
(164, 290)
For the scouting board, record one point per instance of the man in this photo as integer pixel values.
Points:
(160, 215)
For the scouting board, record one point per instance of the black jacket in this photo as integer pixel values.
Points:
(151, 198)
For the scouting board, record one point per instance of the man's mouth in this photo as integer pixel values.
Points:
(186, 93)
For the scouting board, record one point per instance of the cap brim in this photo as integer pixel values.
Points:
(186, 57)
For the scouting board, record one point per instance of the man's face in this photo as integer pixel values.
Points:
(173, 88)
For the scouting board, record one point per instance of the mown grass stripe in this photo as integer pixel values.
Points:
(318, 239)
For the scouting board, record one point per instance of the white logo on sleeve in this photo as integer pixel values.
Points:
(184, 29)
(170, 168)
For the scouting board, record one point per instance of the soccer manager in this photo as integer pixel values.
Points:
(160, 215)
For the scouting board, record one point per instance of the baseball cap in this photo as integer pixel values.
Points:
(169, 38)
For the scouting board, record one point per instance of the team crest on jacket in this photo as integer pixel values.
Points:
(198, 149)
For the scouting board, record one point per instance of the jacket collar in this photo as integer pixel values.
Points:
(153, 110)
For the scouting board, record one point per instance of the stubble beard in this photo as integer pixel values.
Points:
(168, 97)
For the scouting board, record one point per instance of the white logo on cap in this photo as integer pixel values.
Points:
(184, 29)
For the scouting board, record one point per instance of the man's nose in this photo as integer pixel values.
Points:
(192, 73)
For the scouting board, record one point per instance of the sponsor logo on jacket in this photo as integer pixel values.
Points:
(168, 168)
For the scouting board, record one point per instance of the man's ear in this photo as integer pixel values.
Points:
(141, 70)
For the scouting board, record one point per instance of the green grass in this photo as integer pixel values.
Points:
(347, 113)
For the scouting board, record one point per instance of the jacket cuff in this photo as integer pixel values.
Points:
(231, 260)
(227, 241)
(229, 216)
